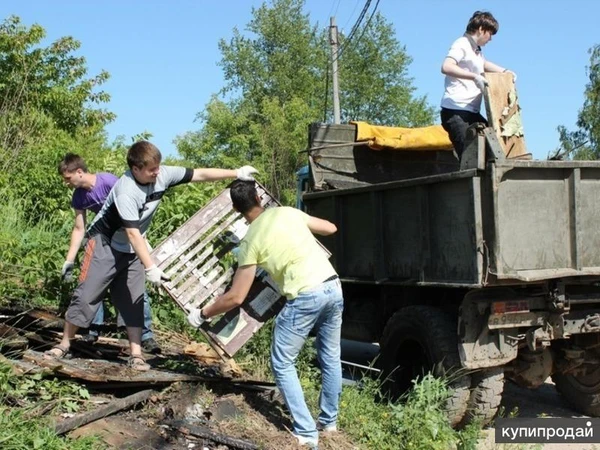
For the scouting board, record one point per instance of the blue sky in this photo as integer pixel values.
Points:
(163, 55)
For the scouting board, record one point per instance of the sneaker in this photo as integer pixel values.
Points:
(331, 428)
(307, 442)
(89, 338)
(151, 346)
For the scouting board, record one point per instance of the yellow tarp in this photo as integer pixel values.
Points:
(397, 138)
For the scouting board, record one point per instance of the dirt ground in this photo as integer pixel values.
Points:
(250, 416)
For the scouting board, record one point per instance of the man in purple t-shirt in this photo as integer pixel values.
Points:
(91, 191)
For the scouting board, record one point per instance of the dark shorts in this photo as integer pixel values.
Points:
(104, 267)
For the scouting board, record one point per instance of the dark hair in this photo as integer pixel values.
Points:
(243, 195)
(70, 163)
(143, 153)
(483, 20)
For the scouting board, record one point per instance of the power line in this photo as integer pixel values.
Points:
(351, 14)
(361, 16)
(368, 23)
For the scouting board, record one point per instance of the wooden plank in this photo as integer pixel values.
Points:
(500, 110)
(104, 371)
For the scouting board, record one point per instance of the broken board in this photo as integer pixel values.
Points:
(504, 114)
(104, 371)
(199, 258)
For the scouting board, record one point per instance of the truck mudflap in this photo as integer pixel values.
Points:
(494, 323)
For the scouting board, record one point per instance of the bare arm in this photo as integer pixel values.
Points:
(77, 234)
(213, 174)
(321, 227)
(139, 246)
(242, 282)
(450, 67)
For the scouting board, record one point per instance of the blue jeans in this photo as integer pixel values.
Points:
(146, 330)
(320, 308)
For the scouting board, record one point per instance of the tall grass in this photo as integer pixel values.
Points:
(31, 255)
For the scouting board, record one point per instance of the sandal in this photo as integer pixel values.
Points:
(58, 352)
(138, 363)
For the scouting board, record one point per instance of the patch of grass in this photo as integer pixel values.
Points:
(19, 432)
(416, 422)
(22, 398)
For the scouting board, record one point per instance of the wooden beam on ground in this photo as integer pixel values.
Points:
(205, 433)
(105, 371)
(99, 413)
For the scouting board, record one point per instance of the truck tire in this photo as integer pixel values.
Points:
(487, 386)
(581, 391)
(417, 340)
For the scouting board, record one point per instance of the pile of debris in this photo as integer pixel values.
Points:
(101, 366)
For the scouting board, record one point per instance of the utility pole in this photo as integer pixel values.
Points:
(333, 40)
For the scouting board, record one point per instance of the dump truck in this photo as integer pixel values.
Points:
(482, 269)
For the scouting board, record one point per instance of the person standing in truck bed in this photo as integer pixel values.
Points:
(464, 83)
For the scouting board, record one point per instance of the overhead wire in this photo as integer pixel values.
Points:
(368, 22)
(354, 29)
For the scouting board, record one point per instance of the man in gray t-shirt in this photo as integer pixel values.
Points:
(116, 254)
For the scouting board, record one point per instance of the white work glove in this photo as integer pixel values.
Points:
(195, 318)
(155, 275)
(67, 271)
(245, 173)
(480, 82)
(512, 73)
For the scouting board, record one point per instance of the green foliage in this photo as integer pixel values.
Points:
(584, 143)
(276, 79)
(374, 80)
(30, 258)
(416, 422)
(420, 422)
(49, 79)
(18, 432)
(21, 427)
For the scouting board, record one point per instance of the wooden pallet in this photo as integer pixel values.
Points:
(199, 259)
(502, 106)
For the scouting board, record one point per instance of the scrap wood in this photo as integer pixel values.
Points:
(206, 354)
(99, 413)
(202, 352)
(105, 371)
(205, 433)
(23, 367)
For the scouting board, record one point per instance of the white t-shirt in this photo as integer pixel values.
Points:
(459, 93)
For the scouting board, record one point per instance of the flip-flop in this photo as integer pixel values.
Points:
(51, 354)
(138, 363)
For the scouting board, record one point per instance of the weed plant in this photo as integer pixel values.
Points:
(23, 399)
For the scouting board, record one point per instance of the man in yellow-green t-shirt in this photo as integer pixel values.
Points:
(280, 241)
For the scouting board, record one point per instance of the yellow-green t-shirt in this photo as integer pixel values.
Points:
(280, 242)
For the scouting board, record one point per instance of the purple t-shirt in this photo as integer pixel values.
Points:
(94, 198)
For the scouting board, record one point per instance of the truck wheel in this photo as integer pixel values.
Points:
(421, 339)
(487, 386)
(582, 391)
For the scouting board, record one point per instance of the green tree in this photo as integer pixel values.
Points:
(48, 106)
(374, 81)
(584, 143)
(275, 85)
